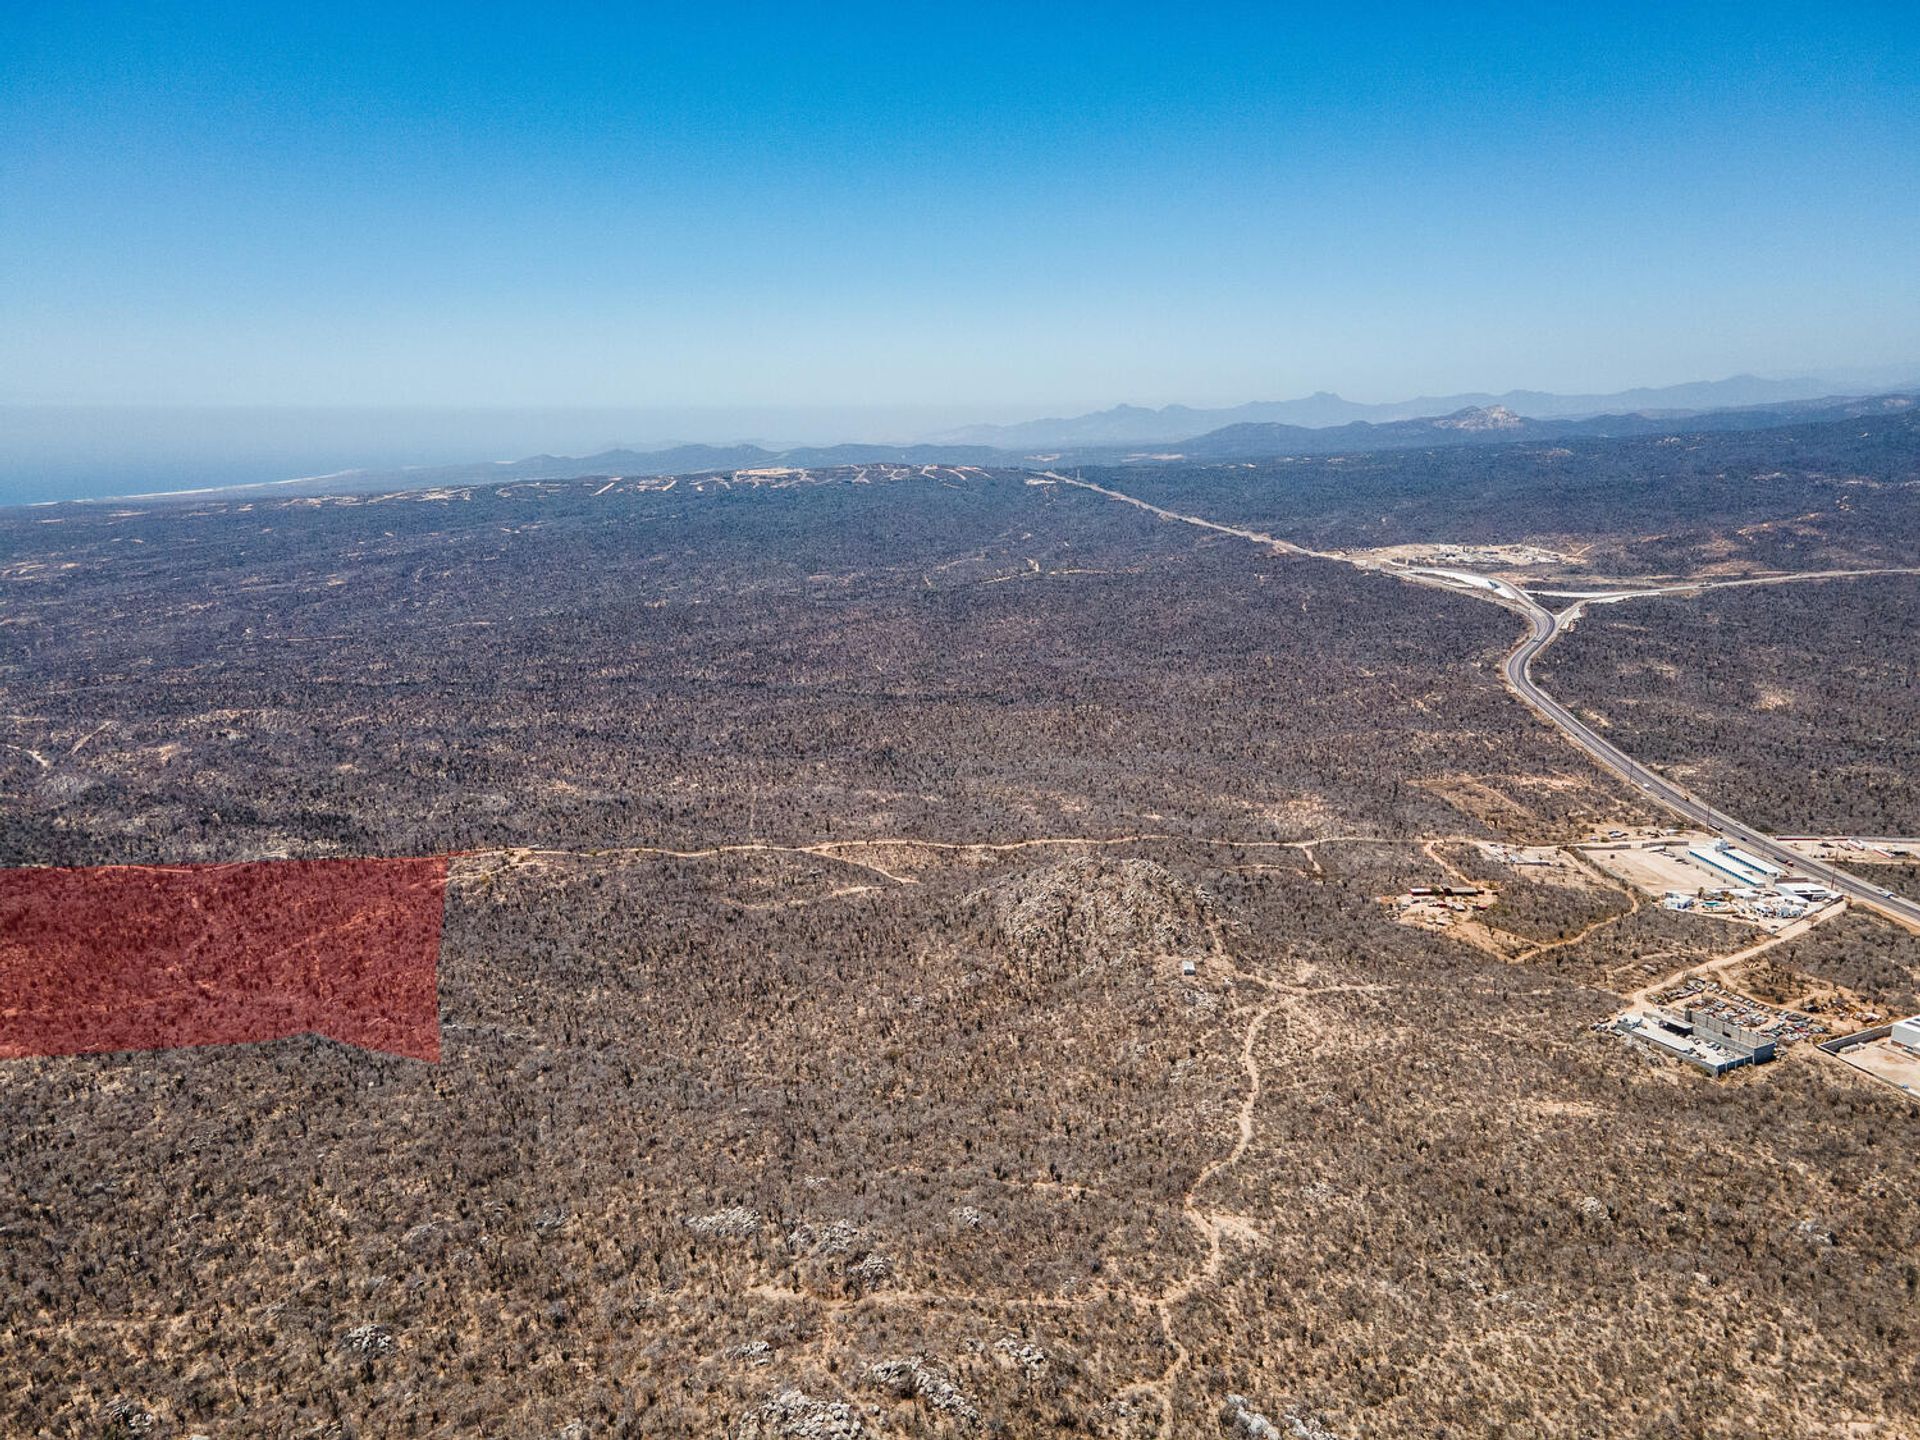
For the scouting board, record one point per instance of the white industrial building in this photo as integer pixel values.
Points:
(1907, 1032)
(1722, 857)
(1751, 861)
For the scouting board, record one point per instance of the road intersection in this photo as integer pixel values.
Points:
(1544, 627)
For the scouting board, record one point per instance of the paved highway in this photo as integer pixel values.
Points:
(1544, 626)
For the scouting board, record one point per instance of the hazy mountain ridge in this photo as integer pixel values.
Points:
(1140, 425)
(1481, 425)
(1484, 425)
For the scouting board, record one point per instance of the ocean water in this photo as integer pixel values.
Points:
(40, 481)
(51, 453)
(74, 452)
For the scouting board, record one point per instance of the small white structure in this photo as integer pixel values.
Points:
(1907, 1032)
(1811, 891)
(1187, 967)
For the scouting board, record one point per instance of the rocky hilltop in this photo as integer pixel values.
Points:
(1088, 908)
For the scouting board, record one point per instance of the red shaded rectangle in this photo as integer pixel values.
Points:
(134, 957)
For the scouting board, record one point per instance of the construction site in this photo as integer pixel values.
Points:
(1438, 907)
(1708, 1001)
(1704, 875)
(1711, 1014)
(1699, 1037)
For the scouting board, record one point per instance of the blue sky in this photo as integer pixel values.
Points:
(1027, 207)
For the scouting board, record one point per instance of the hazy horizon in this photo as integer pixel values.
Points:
(104, 452)
(74, 452)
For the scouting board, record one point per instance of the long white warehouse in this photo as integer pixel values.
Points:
(1717, 857)
(1752, 862)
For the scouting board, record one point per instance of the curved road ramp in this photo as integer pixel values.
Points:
(136, 957)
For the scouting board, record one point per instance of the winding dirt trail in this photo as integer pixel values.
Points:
(1633, 908)
(1719, 967)
(1611, 882)
(1214, 1226)
(834, 850)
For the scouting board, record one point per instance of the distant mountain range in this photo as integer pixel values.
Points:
(1136, 425)
(1496, 424)
(1469, 425)
(1244, 440)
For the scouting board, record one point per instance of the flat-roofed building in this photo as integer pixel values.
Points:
(1715, 857)
(1751, 861)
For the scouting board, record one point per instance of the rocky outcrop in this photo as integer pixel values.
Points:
(792, 1414)
(909, 1377)
(1095, 908)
